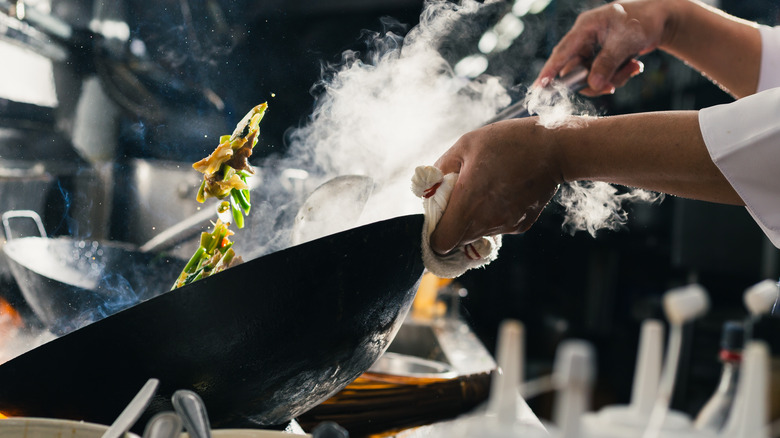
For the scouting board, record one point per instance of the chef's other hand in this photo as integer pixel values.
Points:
(606, 40)
(507, 174)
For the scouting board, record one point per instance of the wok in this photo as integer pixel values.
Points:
(69, 283)
(261, 342)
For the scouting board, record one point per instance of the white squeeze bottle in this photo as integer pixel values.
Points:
(712, 416)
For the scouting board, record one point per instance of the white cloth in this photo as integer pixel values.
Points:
(743, 139)
(430, 184)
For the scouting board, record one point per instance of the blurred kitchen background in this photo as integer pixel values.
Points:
(104, 106)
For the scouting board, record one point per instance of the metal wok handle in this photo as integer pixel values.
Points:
(29, 214)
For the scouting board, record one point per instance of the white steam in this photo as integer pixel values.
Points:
(385, 113)
(589, 205)
(401, 106)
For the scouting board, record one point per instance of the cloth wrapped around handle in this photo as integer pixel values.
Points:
(430, 184)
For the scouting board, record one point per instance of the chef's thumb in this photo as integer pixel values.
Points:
(448, 234)
(441, 242)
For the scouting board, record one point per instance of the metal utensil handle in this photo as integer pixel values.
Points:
(29, 214)
(574, 81)
(133, 411)
(192, 411)
(163, 425)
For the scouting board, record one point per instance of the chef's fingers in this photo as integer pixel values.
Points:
(616, 53)
(575, 49)
(630, 69)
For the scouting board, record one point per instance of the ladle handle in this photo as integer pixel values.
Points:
(192, 411)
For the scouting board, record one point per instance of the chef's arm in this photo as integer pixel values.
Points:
(509, 171)
(661, 151)
(724, 48)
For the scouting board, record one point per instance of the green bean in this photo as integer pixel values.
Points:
(194, 260)
(205, 239)
(238, 218)
(241, 200)
(227, 172)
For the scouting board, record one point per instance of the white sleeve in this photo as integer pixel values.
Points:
(769, 76)
(743, 139)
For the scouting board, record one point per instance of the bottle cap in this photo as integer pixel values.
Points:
(732, 337)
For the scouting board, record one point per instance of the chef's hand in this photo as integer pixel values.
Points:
(606, 40)
(507, 175)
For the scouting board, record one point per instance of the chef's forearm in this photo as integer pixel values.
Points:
(724, 48)
(661, 152)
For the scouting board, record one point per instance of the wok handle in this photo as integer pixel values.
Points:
(14, 214)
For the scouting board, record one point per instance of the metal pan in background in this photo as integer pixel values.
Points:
(70, 282)
(261, 343)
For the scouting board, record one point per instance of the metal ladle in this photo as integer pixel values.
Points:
(332, 207)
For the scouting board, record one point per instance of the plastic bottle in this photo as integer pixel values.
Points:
(713, 415)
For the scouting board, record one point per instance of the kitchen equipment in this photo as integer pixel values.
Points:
(69, 282)
(251, 433)
(132, 411)
(573, 82)
(404, 367)
(51, 428)
(748, 417)
(23, 186)
(333, 206)
(261, 342)
(193, 413)
(163, 425)
(329, 429)
(155, 195)
(131, 77)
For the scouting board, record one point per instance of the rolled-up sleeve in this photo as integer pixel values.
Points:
(743, 139)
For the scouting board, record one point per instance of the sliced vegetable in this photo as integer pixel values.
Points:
(214, 254)
(225, 173)
(226, 170)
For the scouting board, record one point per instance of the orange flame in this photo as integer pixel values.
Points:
(9, 317)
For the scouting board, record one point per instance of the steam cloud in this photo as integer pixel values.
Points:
(402, 105)
(383, 114)
(589, 205)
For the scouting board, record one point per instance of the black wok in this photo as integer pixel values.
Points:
(261, 342)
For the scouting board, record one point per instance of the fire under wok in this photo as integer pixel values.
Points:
(261, 342)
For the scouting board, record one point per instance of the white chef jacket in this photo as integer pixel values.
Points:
(743, 139)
